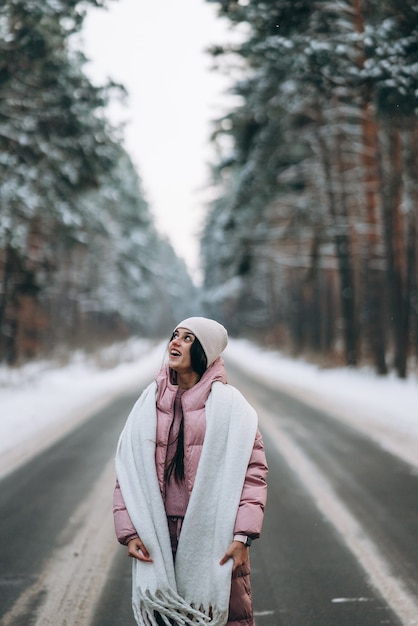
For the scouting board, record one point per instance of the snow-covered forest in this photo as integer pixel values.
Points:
(81, 262)
(312, 240)
(310, 245)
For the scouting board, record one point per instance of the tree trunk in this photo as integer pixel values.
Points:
(375, 310)
(411, 195)
(343, 254)
(374, 268)
(395, 246)
(6, 328)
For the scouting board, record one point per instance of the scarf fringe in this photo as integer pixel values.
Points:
(181, 612)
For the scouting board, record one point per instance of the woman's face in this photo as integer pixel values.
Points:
(179, 351)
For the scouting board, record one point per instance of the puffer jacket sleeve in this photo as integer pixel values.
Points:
(250, 514)
(125, 530)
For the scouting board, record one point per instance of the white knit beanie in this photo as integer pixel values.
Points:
(212, 335)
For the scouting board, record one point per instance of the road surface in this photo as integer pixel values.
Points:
(339, 546)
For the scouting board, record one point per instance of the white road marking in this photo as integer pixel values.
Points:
(262, 613)
(352, 533)
(73, 578)
(336, 600)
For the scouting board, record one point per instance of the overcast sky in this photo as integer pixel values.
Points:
(156, 49)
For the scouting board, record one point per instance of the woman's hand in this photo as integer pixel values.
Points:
(238, 552)
(137, 550)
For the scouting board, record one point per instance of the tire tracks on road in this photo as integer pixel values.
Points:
(70, 584)
(351, 531)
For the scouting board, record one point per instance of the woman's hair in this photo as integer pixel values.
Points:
(199, 365)
(198, 357)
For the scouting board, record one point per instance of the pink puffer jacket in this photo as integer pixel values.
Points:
(251, 509)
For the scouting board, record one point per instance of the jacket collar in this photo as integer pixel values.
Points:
(196, 396)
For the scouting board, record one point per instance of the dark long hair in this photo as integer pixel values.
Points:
(199, 365)
(198, 358)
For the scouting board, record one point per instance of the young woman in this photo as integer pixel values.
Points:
(191, 487)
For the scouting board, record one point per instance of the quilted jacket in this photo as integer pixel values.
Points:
(250, 513)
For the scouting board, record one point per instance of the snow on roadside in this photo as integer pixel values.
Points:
(42, 401)
(384, 408)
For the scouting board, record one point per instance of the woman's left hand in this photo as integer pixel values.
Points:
(238, 552)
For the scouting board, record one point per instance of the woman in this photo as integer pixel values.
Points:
(191, 487)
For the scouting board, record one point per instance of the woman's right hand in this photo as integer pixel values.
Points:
(137, 550)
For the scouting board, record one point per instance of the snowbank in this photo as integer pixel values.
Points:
(384, 408)
(41, 402)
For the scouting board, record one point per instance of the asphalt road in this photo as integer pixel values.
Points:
(339, 546)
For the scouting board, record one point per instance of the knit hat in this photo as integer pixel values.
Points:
(212, 335)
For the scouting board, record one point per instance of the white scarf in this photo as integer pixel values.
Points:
(196, 590)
